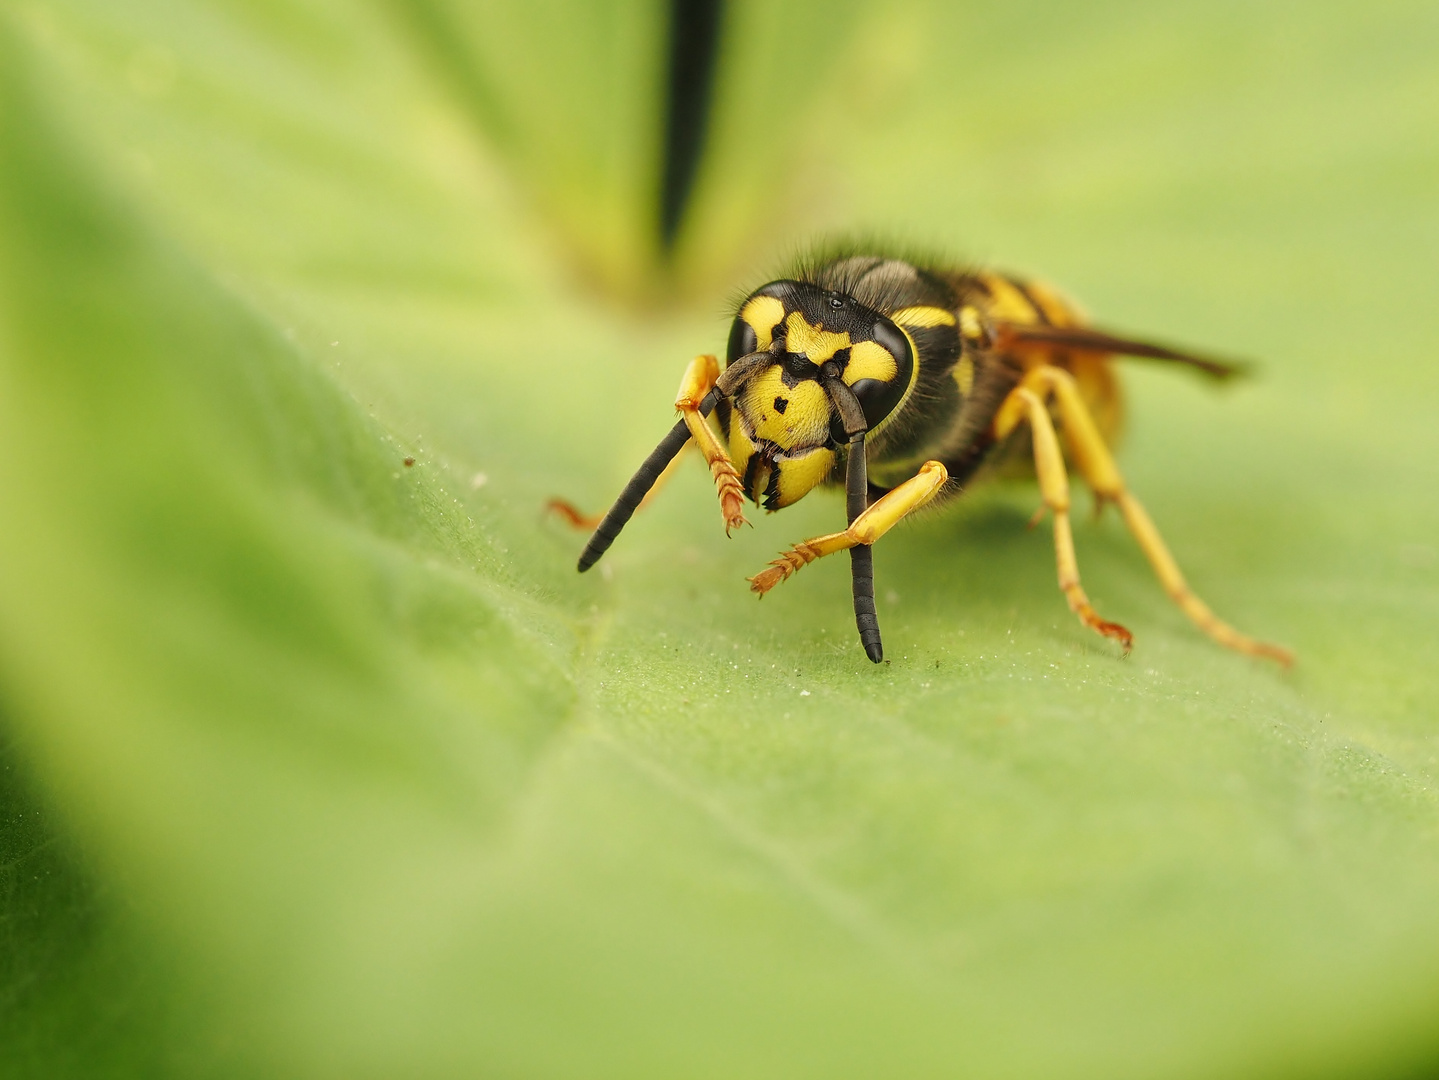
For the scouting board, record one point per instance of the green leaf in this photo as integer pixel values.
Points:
(322, 763)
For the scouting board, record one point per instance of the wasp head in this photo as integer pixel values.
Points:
(783, 428)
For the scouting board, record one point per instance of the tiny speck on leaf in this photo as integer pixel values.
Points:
(409, 461)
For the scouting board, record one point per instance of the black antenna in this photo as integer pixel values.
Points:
(694, 47)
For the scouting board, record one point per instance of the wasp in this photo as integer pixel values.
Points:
(905, 383)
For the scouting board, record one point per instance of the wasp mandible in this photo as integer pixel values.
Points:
(905, 382)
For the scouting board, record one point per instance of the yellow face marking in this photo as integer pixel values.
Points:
(964, 375)
(799, 475)
(922, 316)
(867, 359)
(789, 416)
(741, 449)
(763, 314)
(816, 344)
(870, 360)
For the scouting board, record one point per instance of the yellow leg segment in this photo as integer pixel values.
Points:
(1098, 468)
(877, 520)
(699, 380)
(1024, 403)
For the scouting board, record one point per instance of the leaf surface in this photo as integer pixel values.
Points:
(326, 763)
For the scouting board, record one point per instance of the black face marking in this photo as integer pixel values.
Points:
(781, 404)
(800, 367)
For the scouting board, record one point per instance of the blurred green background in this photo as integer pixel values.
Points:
(319, 765)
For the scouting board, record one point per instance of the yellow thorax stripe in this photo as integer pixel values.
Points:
(964, 375)
(923, 315)
(1007, 303)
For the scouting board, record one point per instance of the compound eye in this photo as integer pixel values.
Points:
(742, 341)
(880, 397)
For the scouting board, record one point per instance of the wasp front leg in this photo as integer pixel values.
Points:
(700, 391)
(699, 379)
(877, 520)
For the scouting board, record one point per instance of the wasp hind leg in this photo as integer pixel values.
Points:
(1097, 466)
(1024, 404)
